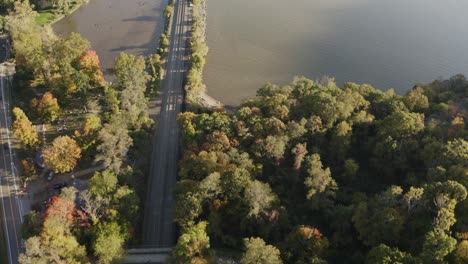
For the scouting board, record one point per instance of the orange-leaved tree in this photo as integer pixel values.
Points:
(88, 63)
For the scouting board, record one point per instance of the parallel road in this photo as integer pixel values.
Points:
(158, 227)
(11, 202)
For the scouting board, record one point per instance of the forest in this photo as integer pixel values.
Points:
(315, 173)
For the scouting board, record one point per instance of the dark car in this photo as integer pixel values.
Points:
(59, 186)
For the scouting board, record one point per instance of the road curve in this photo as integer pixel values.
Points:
(158, 226)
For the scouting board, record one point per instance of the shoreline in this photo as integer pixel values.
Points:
(203, 98)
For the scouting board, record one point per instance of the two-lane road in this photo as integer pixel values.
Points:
(158, 226)
(11, 203)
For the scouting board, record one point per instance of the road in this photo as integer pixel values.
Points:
(158, 226)
(13, 205)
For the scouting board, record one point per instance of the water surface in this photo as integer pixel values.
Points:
(115, 26)
(387, 43)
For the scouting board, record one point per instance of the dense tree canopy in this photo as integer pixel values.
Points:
(330, 174)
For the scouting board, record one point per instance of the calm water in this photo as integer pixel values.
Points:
(115, 26)
(387, 43)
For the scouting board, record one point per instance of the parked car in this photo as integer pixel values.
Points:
(50, 176)
(59, 186)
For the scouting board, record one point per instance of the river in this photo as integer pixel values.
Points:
(115, 26)
(387, 43)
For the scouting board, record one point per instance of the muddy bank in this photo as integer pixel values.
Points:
(114, 26)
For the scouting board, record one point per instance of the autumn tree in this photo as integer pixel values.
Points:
(88, 63)
(63, 155)
(303, 244)
(24, 129)
(48, 107)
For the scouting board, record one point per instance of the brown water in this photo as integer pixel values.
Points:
(387, 43)
(115, 26)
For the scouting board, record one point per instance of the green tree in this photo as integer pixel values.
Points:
(108, 246)
(32, 225)
(401, 124)
(188, 202)
(234, 181)
(131, 78)
(437, 245)
(103, 183)
(318, 179)
(193, 243)
(384, 254)
(258, 252)
(415, 100)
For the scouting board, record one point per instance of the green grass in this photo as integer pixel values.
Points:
(45, 17)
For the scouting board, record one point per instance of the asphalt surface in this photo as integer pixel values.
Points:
(158, 226)
(12, 203)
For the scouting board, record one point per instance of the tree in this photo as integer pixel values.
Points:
(114, 146)
(413, 197)
(131, 78)
(273, 147)
(94, 205)
(188, 202)
(89, 64)
(234, 181)
(48, 107)
(461, 253)
(319, 180)
(103, 183)
(384, 254)
(193, 243)
(437, 245)
(415, 100)
(259, 196)
(401, 124)
(258, 252)
(299, 152)
(26, 36)
(55, 245)
(87, 135)
(108, 246)
(127, 202)
(24, 129)
(303, 244)
(63, 155)
(32, 225)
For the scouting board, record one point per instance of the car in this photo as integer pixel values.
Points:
(59, 186)
(50, 176)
